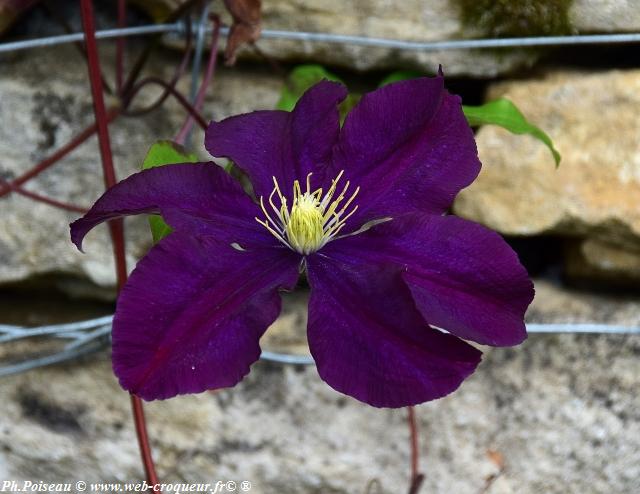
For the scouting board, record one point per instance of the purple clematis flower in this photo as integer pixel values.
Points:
(359, 209)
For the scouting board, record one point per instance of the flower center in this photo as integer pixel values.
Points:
(313, 219)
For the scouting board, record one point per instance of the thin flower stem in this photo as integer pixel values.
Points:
(176, 77)
(40, 198)
(58, 155)
(416, 477)
(209, 73)
(143, 440)
(413, 429)
(120, 45)
(174, 92)
(104, 144)
(182, 9)
(117, 233)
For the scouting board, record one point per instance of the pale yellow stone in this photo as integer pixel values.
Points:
(593, 119)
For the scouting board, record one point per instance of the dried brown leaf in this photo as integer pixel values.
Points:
(247, 19)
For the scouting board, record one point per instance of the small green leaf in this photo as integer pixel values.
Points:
(164, 153)
(159, 228)
(167, 153)
(504, 113)
(400, 75)
(302, 78)
(299, 80)
(500, 112)
(345, 107)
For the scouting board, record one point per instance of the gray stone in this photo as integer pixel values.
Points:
(557, 415)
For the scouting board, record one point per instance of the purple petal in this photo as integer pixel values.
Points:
(464, 278)
(196, 198)
(287, 146)
(409, 148)
(370, 342)
(190, 316)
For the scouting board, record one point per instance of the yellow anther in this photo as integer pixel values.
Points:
(312, 220)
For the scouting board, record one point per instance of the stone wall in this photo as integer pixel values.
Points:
(437, 20)
(558, 414)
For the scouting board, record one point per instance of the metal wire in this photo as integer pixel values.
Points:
(197, 62)
(584, 328)
(94, 334)
(461, 44)
(75, 37)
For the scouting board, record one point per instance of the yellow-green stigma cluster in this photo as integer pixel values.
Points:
(313, 219)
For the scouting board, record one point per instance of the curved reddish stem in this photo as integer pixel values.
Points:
(179, 12)
(117, 233)
(174, 80)
(58, 155)
(111, 115)
(41, 198)
(206, 80)
(174, 92)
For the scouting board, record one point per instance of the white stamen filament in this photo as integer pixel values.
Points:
(313, 219)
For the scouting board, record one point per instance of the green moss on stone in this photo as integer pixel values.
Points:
(507, 18)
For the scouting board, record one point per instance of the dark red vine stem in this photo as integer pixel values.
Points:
(416, 477)
(117, 232)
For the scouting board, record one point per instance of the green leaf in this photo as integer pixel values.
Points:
(299, 80)
(159, 228)
(400, 75)
(302, 78)
(345, 107)
(505, 114)
(167, 153)
(164, 153)
(500, 112)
